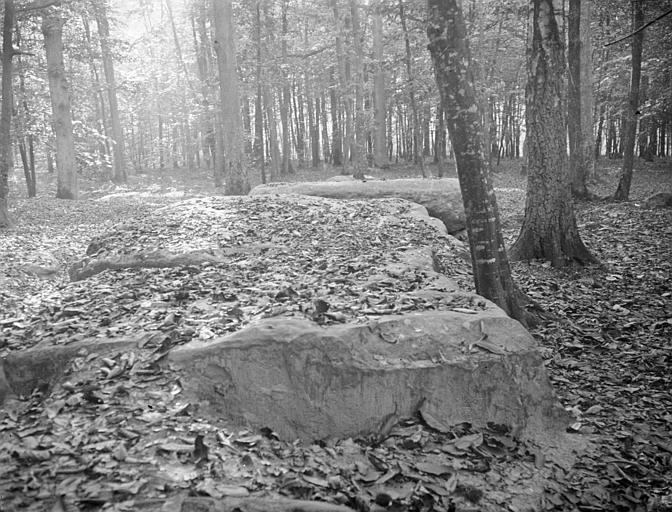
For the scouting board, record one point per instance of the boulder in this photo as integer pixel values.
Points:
(441, 197)
(311, 382)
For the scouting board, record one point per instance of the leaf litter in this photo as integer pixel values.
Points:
(116, 436)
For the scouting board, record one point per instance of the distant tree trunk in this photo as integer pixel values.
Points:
(417, 149)
(336, 132)
(284, 97)
(549, 230)
(118, 152)
(358, 147)
(449, 48)
(59, 90)
(343, 90)
(258, 148)
(326, 148)
(380, 157)
(274, 151)
(580, 110)
(6, 112)
(623, 191)
(440, 140)
(235, 173)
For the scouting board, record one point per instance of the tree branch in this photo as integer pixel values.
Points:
(640, 28)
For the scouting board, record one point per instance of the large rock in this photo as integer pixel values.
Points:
(309, 382)
(441, 197)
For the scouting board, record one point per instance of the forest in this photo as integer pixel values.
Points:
(336, 255)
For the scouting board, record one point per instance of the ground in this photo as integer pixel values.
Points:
(608, 356)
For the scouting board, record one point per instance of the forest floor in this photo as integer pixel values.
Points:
(609, 357)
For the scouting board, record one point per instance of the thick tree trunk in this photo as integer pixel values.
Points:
(6, 112)
(118, 152)
(549, 230)
(59, 90)
(623, 190)
(235, 173)
(450, 53)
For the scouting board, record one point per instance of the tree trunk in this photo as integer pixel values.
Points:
(326, 149)
(549, 230)
(274, 151)
(59, 90)
(258, 147)
(284, 97)
(448, 46)
(417, 149)
(235, 173)
(580, 109)
(6, 112)
(358, 147)
(623, 191)
(380, 158)
(118, 152)
(336, 133)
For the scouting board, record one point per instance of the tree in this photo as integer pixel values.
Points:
(579, 103)
(549, 229)
(6, 112)
(59, 89)
(357, 148)
(108, 69)
(379, 147)
(449, 48)
(417, 150)
(235, 173)
(623, 190)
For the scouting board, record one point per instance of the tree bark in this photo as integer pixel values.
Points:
(118, 152)
(59, 90)
(549, 230)
(623, 190)
(235, 173)
(579, 103)
(449, 48)
(417, 149)
(380, 139)
(6, 112)
(258, 148)
(358, 146)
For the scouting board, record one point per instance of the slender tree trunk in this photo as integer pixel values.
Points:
(235, 173)
(59, 89)
(274, 151)
(258, 148)
(284, 97)
(417, 149)
(6, 112)
(549, 230)
(380, 157)
(118, 152)
(450, 53)
(623, 191)
(326, 148)
(358, 148)
(580, 104)
(336, 132)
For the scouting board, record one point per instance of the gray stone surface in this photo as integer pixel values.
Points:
(309, 382)
(441, 197)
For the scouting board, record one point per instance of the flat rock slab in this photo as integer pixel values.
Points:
(250, 504)
(441, 197)
(309, 382)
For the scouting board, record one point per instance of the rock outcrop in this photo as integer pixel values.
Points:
(310, 382)
(441, 197)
